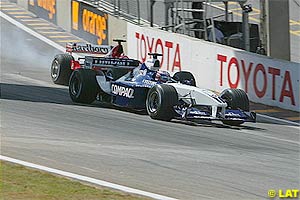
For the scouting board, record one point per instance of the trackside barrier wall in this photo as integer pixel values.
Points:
(217, 67)
(117, 30)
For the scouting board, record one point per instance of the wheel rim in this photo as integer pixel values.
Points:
(153, 102)
(75, 86)
(55, 70)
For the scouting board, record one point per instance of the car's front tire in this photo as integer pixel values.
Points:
(83, 87)
(160, 102)
(236, 99)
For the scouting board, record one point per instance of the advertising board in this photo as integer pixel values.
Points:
(89, 23)
(217, 67)
(45, 9)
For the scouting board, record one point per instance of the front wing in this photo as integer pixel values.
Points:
(192, 113)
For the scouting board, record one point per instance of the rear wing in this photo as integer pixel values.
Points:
(87, 48)
(126, 63)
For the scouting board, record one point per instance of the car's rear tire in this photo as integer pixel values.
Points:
(160, 102)
(185, 77)
(236, 99)
(61, 69)
(83, 87)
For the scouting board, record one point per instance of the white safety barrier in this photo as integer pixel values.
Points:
(266, 80)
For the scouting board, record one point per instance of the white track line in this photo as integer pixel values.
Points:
(273, 138)
(35, 34)
(87, 179)
(31, 32)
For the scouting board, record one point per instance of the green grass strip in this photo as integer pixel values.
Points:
(22, 183)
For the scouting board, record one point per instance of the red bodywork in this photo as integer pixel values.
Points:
(75, 65)
(116, 52)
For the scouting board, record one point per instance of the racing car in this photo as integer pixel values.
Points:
(164, 97)
(63, 64)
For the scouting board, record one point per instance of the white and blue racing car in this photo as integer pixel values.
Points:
(164, 97)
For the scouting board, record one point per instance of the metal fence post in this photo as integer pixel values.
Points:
(115, 8)
(151, 12)
(139, 12)
(119, 7)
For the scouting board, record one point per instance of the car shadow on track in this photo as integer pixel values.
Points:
(60, 95)
(33, 93)
(207, 123)
(55, 95)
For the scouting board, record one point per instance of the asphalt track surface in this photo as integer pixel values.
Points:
(40, 124)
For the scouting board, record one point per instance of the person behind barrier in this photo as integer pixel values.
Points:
(219, 36)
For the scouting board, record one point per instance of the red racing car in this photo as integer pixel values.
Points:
(64, 64)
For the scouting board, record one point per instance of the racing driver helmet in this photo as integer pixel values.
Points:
(153, 64)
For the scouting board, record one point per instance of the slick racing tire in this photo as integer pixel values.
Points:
(185, 77)
(61, 69)
(160, 102)
(115, 73)
(83, 87)
(236, 99)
